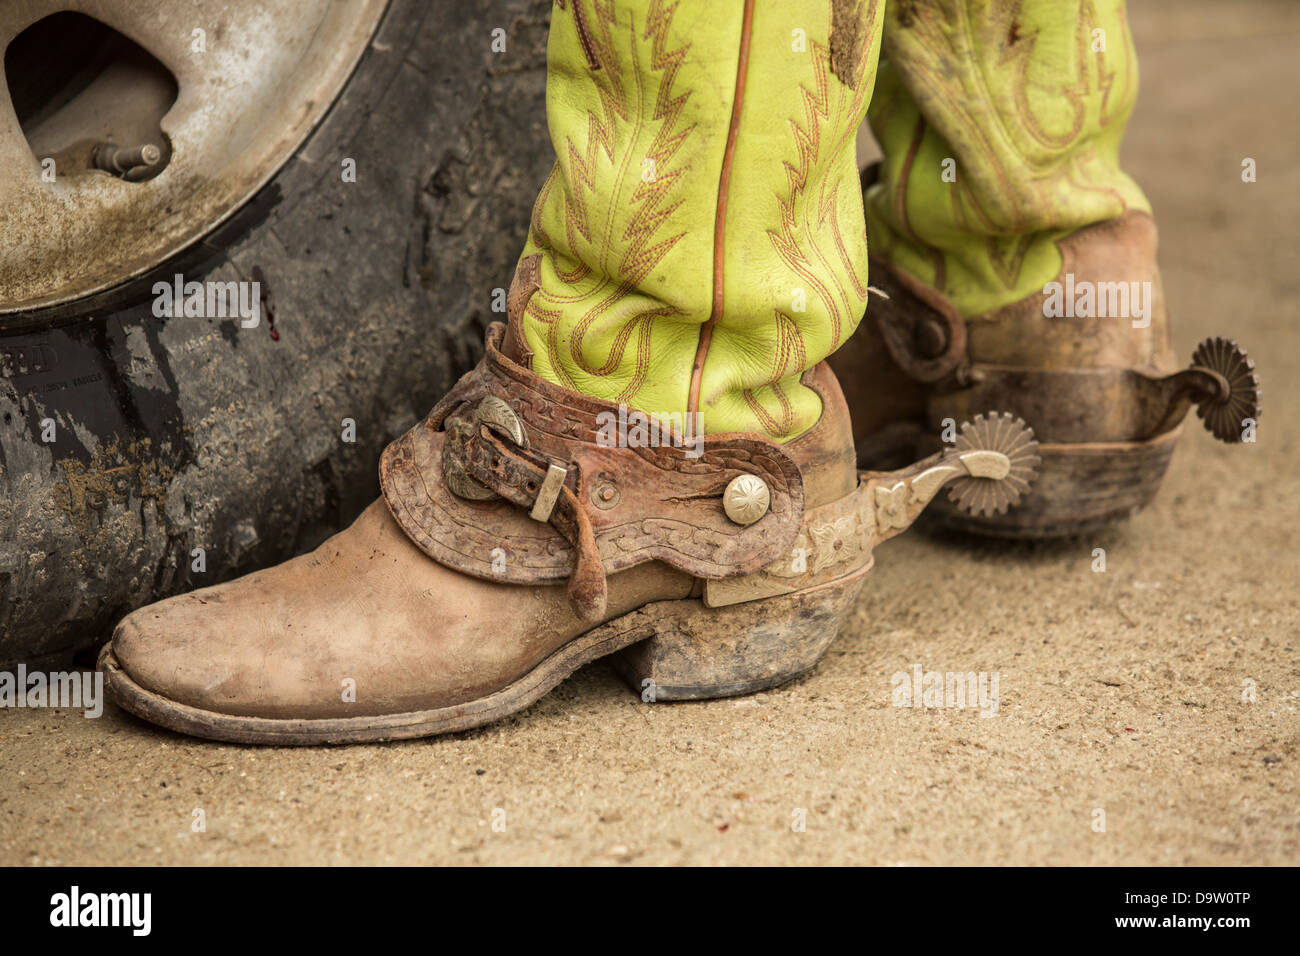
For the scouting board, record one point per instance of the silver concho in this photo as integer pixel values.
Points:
(746, 499)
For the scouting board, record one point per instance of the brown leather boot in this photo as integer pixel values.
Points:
(1099, 390)
(513, 545)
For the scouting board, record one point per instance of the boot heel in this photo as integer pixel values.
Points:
(699, 652)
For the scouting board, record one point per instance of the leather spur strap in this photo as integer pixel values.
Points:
(922, 331)
(511, 478)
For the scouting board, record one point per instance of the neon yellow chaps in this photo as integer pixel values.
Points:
(702, 236)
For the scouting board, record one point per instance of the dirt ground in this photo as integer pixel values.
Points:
(1120, 692)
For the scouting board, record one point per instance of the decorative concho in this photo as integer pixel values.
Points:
(1011, 437)
(746, 499)
(1224, 417)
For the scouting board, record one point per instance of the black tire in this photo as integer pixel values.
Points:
(172, 435)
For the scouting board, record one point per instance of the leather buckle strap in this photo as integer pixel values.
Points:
(495, 414)
(487, 452)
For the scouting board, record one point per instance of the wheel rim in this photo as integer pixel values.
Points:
(248, 91)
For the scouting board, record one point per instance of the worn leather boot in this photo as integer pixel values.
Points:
(1016, 263)
(695, 254)
(516, 541)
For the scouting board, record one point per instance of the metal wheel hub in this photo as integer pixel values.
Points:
(160, 119)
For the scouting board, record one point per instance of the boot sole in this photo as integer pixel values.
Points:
(1081, 487)
(671, 650)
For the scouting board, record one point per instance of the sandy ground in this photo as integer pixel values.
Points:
(1120, 691)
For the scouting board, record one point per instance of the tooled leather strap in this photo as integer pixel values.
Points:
(514, 479)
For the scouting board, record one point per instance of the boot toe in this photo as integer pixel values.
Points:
(172, 649)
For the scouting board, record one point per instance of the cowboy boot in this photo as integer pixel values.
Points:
(564, 502)
(1017, 263)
